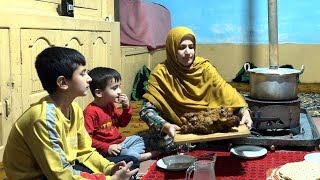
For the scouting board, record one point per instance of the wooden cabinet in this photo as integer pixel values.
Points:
(84, 9)
(5, 90)
(95, 46)
(132, 59)
(29, 26)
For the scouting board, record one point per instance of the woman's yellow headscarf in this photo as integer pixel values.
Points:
(175, 89)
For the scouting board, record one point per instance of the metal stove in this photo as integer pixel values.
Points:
(271, 117)
(280, 125)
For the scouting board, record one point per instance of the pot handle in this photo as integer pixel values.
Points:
(302, 70)
(246, 66)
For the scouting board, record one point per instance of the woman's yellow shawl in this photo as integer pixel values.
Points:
(175, 89)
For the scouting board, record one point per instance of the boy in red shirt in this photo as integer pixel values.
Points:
(102, 118)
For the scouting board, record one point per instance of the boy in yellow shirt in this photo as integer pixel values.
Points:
(48, 139)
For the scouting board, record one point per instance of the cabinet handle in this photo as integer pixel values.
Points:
(7, 107)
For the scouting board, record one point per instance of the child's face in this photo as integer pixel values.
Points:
(79, 83)
(112, 91)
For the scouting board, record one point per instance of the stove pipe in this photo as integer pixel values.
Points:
(273, 34)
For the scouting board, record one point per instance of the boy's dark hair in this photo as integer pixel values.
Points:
(101, 77)
(57, 61)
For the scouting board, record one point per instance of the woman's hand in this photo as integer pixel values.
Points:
(170, 129)
(246, 119)
(114, 149)
(121, 171)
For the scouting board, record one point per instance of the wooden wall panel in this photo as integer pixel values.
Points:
(5, 89)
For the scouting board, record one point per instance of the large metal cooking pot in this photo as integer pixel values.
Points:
(273, 84)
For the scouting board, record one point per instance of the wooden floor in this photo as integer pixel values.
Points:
(302, 88)
(2, 173)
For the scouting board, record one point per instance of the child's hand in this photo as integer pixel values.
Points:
(121, 171)
(124, 101)
(114, 149)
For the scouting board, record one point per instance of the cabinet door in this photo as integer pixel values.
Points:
(78, 40)
(5, 97)
(94, 46)
(133, 59)
(93, 4)
(32, 43)
(101, 49)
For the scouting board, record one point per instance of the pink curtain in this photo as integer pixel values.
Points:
(143, 23)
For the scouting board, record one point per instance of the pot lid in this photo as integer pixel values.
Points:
(279, 71)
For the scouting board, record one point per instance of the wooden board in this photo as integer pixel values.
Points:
(241, 131)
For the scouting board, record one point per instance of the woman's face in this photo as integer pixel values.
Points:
(185, 53)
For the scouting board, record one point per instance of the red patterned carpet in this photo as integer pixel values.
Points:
(230, 167)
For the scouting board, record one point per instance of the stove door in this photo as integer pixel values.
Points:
(275, 117)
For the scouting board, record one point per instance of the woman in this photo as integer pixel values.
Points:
(185, 83)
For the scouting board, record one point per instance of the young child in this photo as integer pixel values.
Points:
(47, 139)
(102, 118)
